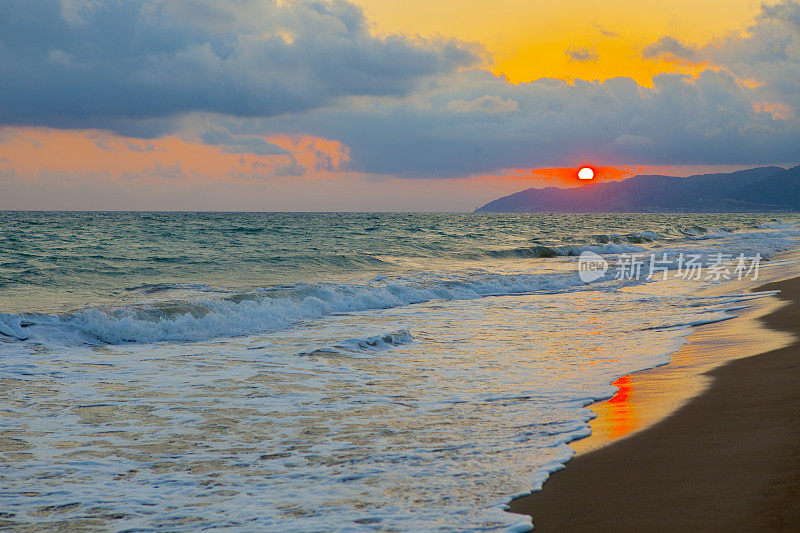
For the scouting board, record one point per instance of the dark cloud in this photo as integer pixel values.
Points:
(116, 63)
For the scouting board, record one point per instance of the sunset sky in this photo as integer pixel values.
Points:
(381, 104)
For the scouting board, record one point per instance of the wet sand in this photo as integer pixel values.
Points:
(726, 460)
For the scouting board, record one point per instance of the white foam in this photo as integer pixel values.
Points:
(346, 424)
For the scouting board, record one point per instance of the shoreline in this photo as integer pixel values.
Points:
(648, 396)
(719, 451)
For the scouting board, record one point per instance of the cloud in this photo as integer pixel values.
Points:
(605, 31)
(246, 144)
(628, 141)
(36, 152)
(670, 48)
(485, 104)
(708, 119)
(582, 54)
(714, 118)
(304, 88)
(115, 64)
(767, 56)
(769, 53)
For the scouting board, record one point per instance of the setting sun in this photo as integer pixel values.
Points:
(586, 173)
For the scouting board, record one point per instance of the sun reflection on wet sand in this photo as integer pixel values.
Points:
(621, 410)
(645, 398)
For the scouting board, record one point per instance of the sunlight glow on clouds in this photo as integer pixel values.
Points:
(38, 153)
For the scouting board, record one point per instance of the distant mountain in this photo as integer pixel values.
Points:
(756, 190)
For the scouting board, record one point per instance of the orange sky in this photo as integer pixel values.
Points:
(529, 39)
(39, 151)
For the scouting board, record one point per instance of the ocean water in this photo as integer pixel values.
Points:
(324, 372)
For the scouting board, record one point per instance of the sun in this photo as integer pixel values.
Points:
(586, 173)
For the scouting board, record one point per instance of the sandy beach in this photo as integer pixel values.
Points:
(725, 461)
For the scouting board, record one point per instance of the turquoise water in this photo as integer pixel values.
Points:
(298, 372)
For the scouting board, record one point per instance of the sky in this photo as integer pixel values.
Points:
(382, 105)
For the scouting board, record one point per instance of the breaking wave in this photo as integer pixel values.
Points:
(267, 309)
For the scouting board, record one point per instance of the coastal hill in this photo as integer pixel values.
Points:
(761, 189)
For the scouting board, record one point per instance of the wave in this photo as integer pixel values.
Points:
(215, 313)
(694, 323)
(541, 251)
(367, 344)
(154, 288)
(612, 243)
(264, 310)
(11, 326)
(645, 241)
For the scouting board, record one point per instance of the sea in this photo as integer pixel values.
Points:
(331, 371)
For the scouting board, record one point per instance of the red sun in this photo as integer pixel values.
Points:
(586, 173)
